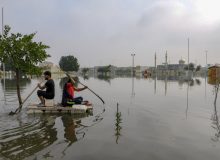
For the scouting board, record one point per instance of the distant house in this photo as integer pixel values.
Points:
(140, 70)
(214, 71)
(172, 68)
(46, 64)
(123, 70)
(49, 66)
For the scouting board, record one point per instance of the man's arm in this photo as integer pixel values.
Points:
(80, 89)
(41, 87)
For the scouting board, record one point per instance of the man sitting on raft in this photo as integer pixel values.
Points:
(68, 98)
(50, 91)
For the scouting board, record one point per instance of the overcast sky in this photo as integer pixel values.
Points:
(102, 32)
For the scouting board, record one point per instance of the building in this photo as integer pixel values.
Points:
(123, 71)
(49, 66)
(172, 68)
(214, 71)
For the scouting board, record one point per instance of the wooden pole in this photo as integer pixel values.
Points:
(20, 105)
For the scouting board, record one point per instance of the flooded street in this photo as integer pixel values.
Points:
(163, 118)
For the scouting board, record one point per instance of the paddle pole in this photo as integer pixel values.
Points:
(92, 92)
(20, 106)
(30, 94)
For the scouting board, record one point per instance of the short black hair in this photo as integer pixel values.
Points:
(69, 80)
(47, 73)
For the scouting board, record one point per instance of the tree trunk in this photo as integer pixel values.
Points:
(18, 86)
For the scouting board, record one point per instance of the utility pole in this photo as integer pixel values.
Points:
(2, 20)
(155, 61)
(187, 93)
(132, 64)
(188, 55)
(166, 60)
(155, 80)
(206, 52)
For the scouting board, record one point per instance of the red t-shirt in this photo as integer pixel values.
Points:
(70, 89)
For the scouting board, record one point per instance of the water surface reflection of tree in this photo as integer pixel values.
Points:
(215, 118)
(26, 140)
(29, 138)
(10, 84)
(105, 78)
(118, 127)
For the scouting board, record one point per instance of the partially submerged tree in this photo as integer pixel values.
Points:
(104, 69)
(85, 71)
(198, 68)
(191, 67)
(69, 63)
(22, 53)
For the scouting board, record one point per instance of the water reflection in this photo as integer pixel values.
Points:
(156, 77)
(105, 78)
(118, 119)
(69, 128)
(26, 140)
(70, 134)
(155, 84)
(10, 84)
(132, 88)
(159, 128)
(30, 138)
(10, 94)
(215, 118)
(85, 77)
(166, 84)
(198, 82)
(187, 99)
(205, 86)
(180, 79)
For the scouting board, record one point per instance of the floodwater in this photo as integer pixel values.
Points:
(167, 118)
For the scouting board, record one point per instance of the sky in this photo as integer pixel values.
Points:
(103, 32)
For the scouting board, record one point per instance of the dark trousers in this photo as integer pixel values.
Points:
(78, 100)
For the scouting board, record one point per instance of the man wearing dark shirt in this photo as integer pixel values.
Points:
(50, 91)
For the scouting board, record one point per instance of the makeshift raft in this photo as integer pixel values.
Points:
(75, 109)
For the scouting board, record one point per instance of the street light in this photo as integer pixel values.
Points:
(132, 64)
(206, 52)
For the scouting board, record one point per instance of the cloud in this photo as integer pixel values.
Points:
(107, 32)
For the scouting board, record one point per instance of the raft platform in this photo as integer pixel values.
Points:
(75, 109)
